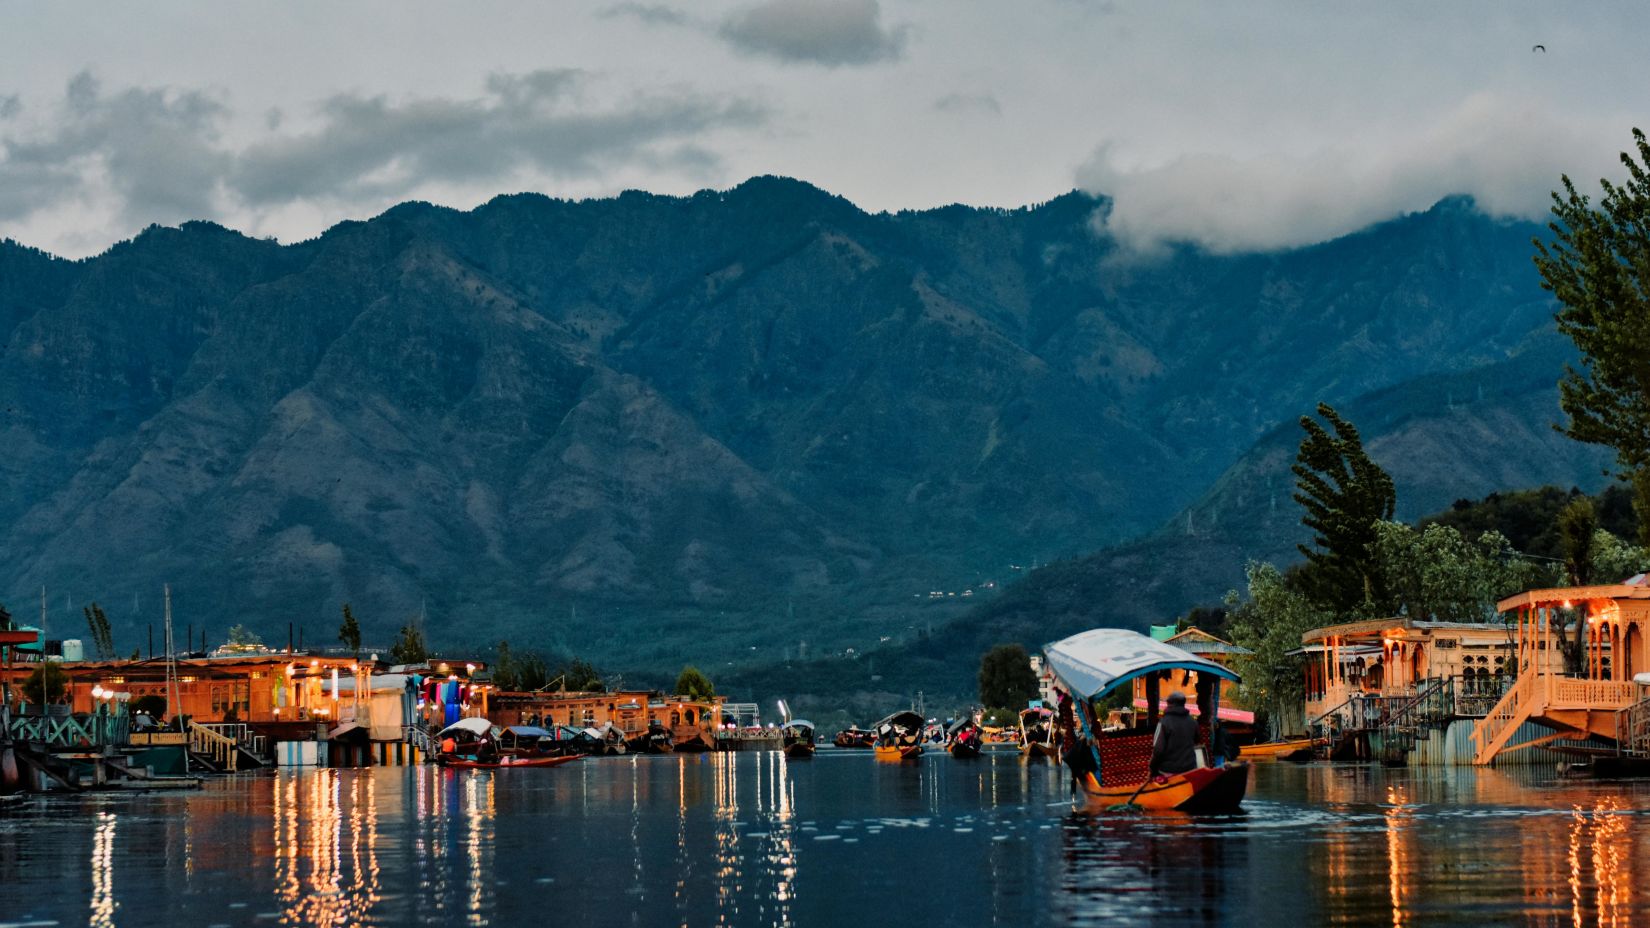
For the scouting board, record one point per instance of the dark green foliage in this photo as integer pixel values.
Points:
(1640, 482)
(103, 640)
(409, 647)
(1577, 526)
(239, 635)
(692, 682)
(1344, 494)
(1211, 619)
(5, 619)
(46, 684)
(350, 632)
(1598, 267)
(1529, 518)
(520, 671)
(579, 675)
(1006, 678)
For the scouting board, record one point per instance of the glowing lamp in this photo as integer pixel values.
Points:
(97, 692)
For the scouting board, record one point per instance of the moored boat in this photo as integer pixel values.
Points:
(899, 737)
(1108, 768)
(964, 739)
(511, 762)
(1286, 749)
(855, 737)
(798, 738)
(1037, 738)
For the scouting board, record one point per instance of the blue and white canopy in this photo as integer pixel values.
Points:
(1094, 662)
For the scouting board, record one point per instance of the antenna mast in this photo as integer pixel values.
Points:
(173, 704)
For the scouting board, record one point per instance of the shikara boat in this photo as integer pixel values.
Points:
(1110, 767)
(510, 761)
(798, 738)
(855, 737)
(899, 737)
(1037, 733)
(656, 740)
(964, 739)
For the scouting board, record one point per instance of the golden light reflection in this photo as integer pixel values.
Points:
(313, 826)
(1397, 853)
(1601, 838)
(103, 902)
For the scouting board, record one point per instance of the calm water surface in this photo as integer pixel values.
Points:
(754, 839)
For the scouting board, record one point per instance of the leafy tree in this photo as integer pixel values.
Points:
(350, 632)
(1598, 268)
(692, 683)
(1615, 560)
(1577, 528)
(580, 675)
(240, 636)
(46, 684)
(409, 647)
(1006, 678)
(1344, 494)
(1270, 623)
(103, 640)
(1436, 573)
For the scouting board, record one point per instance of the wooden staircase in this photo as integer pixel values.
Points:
(1492, 733)
(1574, 707)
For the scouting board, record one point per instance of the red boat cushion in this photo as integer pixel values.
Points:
(1127, 759)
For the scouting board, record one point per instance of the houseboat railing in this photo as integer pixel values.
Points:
(219, 749)
(1633, 729)
(66, 730)
(243, 735)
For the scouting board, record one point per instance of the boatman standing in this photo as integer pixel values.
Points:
(1174, 750)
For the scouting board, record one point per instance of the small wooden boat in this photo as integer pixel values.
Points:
(964, 739)
(1286, 749)
(855, 737)
(798, 738)
(656, 740)
(508, 760)
(1109, 767)
(899, 737)
(1037, 733)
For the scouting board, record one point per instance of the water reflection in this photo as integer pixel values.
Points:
(762, 840)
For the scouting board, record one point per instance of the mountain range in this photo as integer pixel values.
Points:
(743, 427)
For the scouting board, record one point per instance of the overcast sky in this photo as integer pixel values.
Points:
(1235, 125)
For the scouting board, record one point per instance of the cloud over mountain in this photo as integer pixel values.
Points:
(1504, 154)
(833, 33)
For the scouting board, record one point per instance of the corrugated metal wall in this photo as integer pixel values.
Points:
(1453, 747)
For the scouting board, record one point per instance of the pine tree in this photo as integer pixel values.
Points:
(103, 639)
(1598, 268)
(1345, 494)
(350, 632)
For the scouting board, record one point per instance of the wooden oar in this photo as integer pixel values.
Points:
(1129, 806)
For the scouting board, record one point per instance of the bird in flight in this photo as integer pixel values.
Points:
(1539, 48)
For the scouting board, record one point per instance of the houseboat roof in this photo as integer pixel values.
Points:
(1634, 587)
(1397, 623)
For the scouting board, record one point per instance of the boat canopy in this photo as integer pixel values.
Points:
(1036, 712)
(1094, 662)
(474, 726)
(527, 731)
(799, 725)
(961, 725)
(907, 720)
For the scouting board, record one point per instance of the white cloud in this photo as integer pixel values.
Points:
(1505, 153)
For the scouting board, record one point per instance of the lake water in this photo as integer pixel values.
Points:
(756, 839)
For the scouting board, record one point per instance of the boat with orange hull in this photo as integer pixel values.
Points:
(899, 737)
(1287, 749)
(1110, 767)
(1205, 790)
(509, 762)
